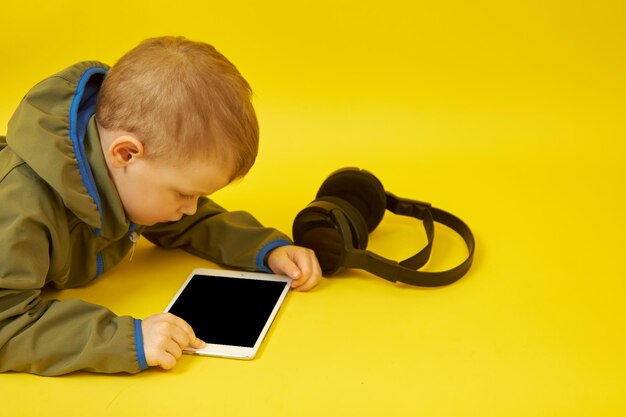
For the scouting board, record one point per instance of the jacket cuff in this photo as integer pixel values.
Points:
(141, 355)
(260, 259)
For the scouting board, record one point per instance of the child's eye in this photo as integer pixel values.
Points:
(185, 196)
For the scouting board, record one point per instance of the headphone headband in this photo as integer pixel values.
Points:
(421, 211)
(406, 271)
(337, 231)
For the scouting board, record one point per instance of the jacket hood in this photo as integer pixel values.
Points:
(48, 131)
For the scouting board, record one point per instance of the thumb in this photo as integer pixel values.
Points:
(285, 265)
(197, 343)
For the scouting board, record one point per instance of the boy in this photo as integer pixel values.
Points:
(92, 159)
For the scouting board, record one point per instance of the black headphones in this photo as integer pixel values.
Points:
(349, 205)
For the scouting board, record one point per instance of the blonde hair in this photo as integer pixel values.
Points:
(184, 100)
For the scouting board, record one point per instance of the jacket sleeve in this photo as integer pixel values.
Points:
(50, 337)
(58, 337)
(232, 238)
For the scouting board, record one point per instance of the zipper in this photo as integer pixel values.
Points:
(134, 237)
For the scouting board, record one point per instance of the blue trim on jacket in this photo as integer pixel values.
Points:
(260, 258)
(141, 355)
(82, 108)
(99, 264)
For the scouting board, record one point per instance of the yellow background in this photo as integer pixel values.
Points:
(508, 114)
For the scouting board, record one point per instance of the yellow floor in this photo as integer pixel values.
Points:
(509, 115)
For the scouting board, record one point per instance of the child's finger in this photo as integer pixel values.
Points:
(197, 344)
(285, 265)
(311, 274)
(166, 361)
(184, 327)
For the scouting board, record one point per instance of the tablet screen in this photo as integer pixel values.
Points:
(226, 310)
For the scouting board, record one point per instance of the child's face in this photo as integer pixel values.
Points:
(154, 193)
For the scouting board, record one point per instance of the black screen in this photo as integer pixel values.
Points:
(227, 311)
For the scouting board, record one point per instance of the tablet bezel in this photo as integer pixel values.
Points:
(231, 351)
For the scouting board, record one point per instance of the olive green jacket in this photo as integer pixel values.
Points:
(63, 224)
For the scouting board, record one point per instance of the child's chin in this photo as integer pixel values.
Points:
(144, 222)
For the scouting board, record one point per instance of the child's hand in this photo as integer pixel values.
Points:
(164, 338)
(298, 263)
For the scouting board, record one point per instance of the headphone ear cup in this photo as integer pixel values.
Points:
(314, 228)
(360, 189)
(318, 227)
(358, 227)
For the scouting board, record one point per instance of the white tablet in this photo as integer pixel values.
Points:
(230, 310)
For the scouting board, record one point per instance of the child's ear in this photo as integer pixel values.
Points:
(123, 150)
